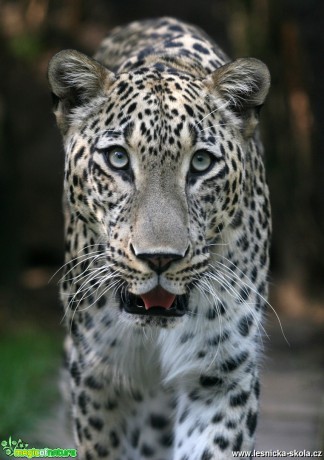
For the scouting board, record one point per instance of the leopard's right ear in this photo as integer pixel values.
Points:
(75, 79)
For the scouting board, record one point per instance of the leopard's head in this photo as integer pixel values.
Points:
(155, 170)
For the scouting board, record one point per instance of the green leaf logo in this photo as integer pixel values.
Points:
(10, 446)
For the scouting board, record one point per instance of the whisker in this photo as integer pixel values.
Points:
(250, 285)
(210, 113)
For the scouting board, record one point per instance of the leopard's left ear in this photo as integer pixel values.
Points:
(244, 85)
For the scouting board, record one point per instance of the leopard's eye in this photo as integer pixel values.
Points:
(201, 161)
(117, 157)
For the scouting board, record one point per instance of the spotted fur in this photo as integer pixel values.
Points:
(164, 185)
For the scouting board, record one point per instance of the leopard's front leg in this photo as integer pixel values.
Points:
(98, 420)
(214, 419)
(116, 420)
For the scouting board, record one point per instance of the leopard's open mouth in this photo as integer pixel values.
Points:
(135, 305)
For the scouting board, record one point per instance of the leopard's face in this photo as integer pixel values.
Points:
(156, 171)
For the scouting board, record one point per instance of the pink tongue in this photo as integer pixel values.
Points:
(158, 297)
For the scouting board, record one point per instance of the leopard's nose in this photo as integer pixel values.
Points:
(159, 262)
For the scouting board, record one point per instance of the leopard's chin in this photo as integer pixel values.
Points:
(134, 305)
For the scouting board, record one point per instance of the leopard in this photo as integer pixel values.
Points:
(167, 235)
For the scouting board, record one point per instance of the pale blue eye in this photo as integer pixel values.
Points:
(117, 157)
(201, 161)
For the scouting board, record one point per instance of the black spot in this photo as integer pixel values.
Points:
(217, 418)
(201, 354)
(184, 415)
(132, 107)
(251, 422)
(251, 224)
(213, 341)
(101, 302)
(111, 404)
(159, 67)
(240, 399)
(194, 395)
(79, 154)
(114, 439)
(101, 450)
(231, 425)
(243, 242)
(109, 119)
(238, 442)
(257, 389)
(221, 442)
(96, 423)
(254, 274)
(92, 383)
(175, 28)
(191, 430)
(166, 440)
(189, 110)
(245, 325)
(200, 48)
(185, 337)
(88, 456)
(75, 373)
(210, 381)
(206, 455)
(221, 308)
(158, 422)
(78, 429)
(135, 437)
(172, 44)
(137, 396)
(147, 451)
(82, 402)
(122, 87)
(211, 314)
(87, 434)
(244, 294)
(225, 336)
(233, 363)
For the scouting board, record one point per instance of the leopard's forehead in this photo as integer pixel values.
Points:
(151, 93)
(159, 110)
(163, 111)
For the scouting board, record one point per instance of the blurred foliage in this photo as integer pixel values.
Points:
(29, 360)
(25, 47)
